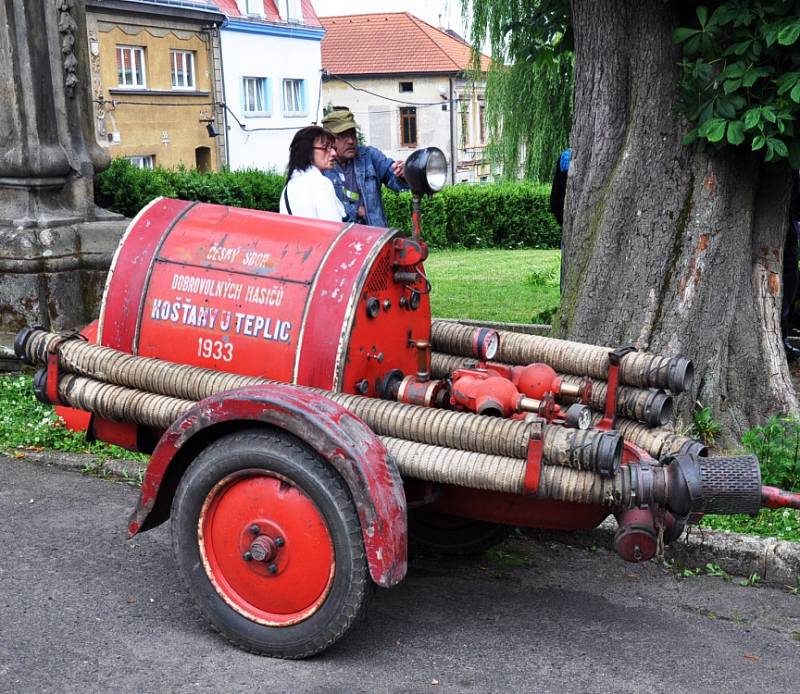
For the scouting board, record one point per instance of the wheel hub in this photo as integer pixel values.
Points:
(263, 548)
(266, 548)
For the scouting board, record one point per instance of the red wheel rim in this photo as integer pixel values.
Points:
(257, 513)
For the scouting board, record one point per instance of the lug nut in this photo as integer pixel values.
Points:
(280, 541)
(247, 556)
(272, 568)
(253, 529)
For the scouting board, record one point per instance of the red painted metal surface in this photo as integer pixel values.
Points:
(129, 270)
(513, 509)
(535, 380)
(266, 548)
(636, 539)
(336, 435)
(610, 414)
(338, 322)
(533, 468)
(631, 453)
(123, 434)
(614, 361)
(412, 391)
(479, 391)
(52, 377)
(772, 497)
(263, 294)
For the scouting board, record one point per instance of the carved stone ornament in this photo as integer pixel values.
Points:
(67, 28)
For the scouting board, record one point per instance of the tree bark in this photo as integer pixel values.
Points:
(676, 251)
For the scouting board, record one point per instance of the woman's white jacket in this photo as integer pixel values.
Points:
(310, 194)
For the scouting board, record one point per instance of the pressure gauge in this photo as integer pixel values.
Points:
(487, 344)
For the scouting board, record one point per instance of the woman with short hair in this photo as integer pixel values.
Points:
(307, 192)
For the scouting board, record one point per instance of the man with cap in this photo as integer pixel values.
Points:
(359, 171)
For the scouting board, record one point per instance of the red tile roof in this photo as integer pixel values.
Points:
(391, 43)
(271, 14)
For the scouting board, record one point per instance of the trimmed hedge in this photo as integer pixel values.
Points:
(498, 215)
(126, 189)
(504, 215)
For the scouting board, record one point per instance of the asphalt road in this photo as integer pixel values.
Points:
(82, 609)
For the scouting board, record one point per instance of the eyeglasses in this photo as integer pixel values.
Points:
(326, 148)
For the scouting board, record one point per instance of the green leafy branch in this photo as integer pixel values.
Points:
(740, 77)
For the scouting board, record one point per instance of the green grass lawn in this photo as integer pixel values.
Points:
(518, 286)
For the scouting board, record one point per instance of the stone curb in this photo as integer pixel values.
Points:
(122, 470)
(776, 562)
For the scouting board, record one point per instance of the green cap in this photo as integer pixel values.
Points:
(339, 120)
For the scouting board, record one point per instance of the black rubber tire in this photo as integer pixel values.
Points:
(285, 455)
(452, 535)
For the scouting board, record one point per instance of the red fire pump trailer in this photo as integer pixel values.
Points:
(281, 373)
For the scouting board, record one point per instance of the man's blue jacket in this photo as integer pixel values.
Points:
(372, 168)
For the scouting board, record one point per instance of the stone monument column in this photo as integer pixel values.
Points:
(55, 245)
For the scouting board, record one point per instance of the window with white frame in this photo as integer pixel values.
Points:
(294, 97)
(182, 69)
(146, 161)
(130, 66)
(254, 8)
(290, 11)
(255, 100)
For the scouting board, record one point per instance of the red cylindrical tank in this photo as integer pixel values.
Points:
(324, 304)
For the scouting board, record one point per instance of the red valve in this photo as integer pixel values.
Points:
(483, 393)
(636, 539)
(535, 380)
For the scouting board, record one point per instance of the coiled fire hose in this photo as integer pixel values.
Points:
(652, 407)
(657, 442)
(463, 431)
(636, 368)
(685, 485)
(423, 461)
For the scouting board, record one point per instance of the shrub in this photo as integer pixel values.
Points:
(125, 188)
(776, 444)
(504, 215)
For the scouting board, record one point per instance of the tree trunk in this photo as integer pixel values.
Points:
(673, 250)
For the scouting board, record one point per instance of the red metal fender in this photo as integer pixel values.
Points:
(342, 439)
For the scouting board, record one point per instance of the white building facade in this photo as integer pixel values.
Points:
(443, 111)
(409, 85)
(271, 61)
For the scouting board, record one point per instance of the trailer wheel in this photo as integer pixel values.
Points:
(267, 539)
(453, 535)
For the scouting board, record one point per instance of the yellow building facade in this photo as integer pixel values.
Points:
(156, 80)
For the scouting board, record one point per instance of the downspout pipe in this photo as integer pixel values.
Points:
(223, 96)
(452, 134)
